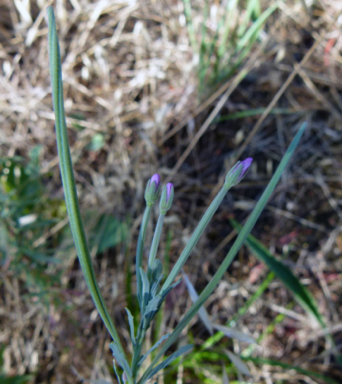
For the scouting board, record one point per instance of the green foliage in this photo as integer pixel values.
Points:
(15, 379)
(291, 282)
(27, 212)
(301, 294)
(224, 46)
(107, 232)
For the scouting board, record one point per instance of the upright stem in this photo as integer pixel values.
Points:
(140, 248)
(194, 238)
(154, 246)
(137, 352)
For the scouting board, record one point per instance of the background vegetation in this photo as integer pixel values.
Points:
(183, 89)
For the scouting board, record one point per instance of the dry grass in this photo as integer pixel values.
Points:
(130, 79)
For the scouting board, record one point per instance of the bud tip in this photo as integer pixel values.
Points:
(246, 164)
(156, 179)
(169, 188)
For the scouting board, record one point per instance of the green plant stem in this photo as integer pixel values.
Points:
(194, 238)
(69, 185)
(155, 244)
(140, 249)
(137, 351)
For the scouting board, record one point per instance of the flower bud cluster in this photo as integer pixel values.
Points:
(234, 176)
(152, 192)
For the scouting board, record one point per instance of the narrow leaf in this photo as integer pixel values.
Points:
(301, 294)
(151, 310)
(234, 334)
(117, 373)
(169, 360)
(69, 184)
(120, 358)
(225, 379)
(239, 364)
(145, 288)
(157, 270)
(156, 345)
(256, 26)
(202, 313)
(131, 325)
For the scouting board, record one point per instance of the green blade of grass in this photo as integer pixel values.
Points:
(69, 185)
(253, 8)
(301, 294)
(256, 112)
(255, 27)
(231, 254)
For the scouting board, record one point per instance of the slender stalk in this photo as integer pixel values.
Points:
(194, 238)
(137, 352)
(155, 244)
(140, 248)
(69, 185)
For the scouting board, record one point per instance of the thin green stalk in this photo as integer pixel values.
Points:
(250, 10)
(194, 238)
(137, 352)
(69, 185)
(155, 244)
(140, 249)
(151, 260)
(255, 27)
(231, 254)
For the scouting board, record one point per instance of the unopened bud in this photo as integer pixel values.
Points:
(237, 173)
(152, 190)
(166, 198)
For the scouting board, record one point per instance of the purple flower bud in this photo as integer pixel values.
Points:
(237, 173)
(166, 198)
(152, 190)
(246, 164)
(156, 180)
